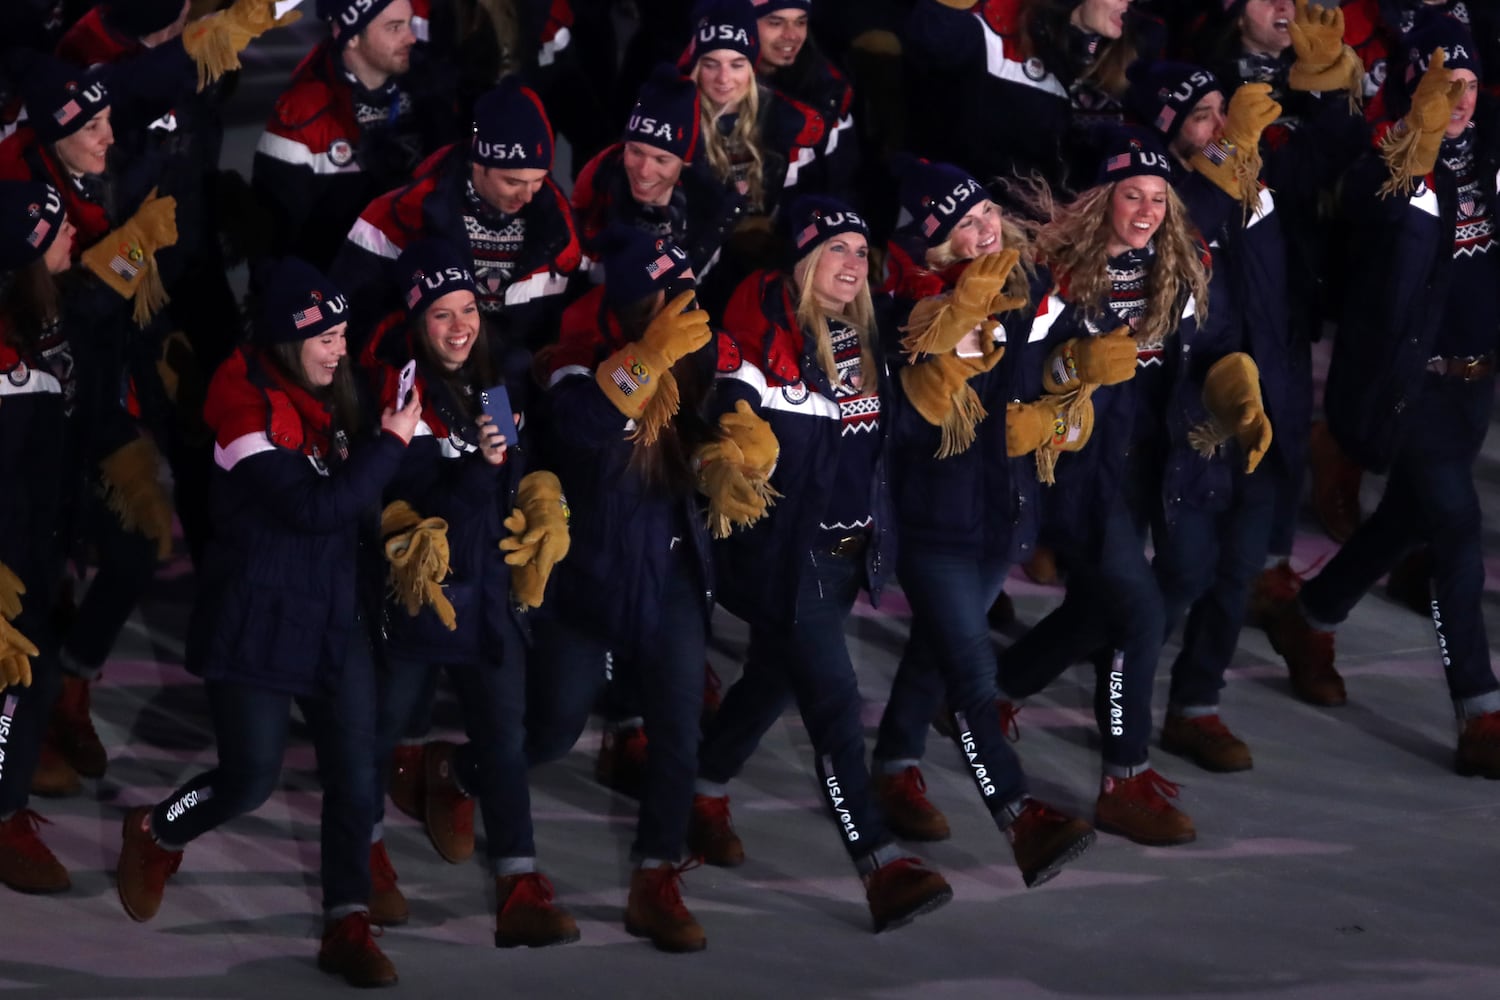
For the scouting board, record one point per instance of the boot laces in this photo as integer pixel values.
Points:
(531, 890)
(665, 884)
(713, 810)
(356, 932)
(382, 872)
(1153, 791)
(20, 833)
(1009, 722)
(911, 787)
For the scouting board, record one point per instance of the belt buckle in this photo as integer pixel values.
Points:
(848, 546)
(1470, 370)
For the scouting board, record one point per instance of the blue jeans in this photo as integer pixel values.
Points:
(1429, 498)
(950, 647)
(1111, 613)
(669, 670)
(25, 711)
(1206, 562)
(809, 661)
(250, 727)
(491, 766)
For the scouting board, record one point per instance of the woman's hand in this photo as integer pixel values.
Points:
(403, 422)
(491, 440)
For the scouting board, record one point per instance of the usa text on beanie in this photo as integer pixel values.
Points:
(299, 304)
(938, 196)
(31, 216)
(665, 116)
(511, 130)
(429, 270)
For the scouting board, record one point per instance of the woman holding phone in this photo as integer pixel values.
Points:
(277, 617)
(470, 541)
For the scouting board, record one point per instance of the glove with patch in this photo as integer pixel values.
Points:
(633, 375)
(125, 260)
(1047, 422)
(133, 491)
(1233, 162)
(216, 41)
(940, 322)
(1324, 63)
(417, 549)
(16, 652)
(1410, 146)
(1231, 394)
(1104, 360)
(538, 536)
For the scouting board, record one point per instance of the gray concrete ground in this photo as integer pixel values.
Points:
(1350, 863)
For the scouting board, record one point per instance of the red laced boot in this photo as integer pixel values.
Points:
(711, 833)
(525, 915)
(907, 810)
(655, 910)
(26, 864)
(349, 950)
(144, 867)
(1140, 809)
(72, 730)
(387, 903)
(448, 812)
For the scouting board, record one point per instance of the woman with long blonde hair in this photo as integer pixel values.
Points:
(758, 143)
(966, 489)
(801, 355)
(1131, 287)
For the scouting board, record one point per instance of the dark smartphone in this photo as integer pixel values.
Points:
(495, 402)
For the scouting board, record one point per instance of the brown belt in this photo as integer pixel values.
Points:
(850, 546)
(1468, 369)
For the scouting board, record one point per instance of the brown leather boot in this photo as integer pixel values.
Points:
(406, 785)
(26, 865)
(72, 729)
(526, 916)
(54, 777)
(907, 810)
(655, 910)
(448, 812)
(1140, 809)
(144, 867)
(1207, 742)
(1275, 585)
(349, 950)
(711, 833)
(1043, 840)
(1042, 567)
(1479, 747)
(621, 764)
(1308, 653)
(899, 891)
(387, 903)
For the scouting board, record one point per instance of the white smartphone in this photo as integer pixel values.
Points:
(971, 346)
(408, 380)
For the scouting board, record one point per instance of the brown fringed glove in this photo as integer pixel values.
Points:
(539, 536)
(1410, 147)
(1233, 163)
(417, 549)
(16, 652)
(1231, 394)
(133, 492)
(1104, 360)
(940, 322)
(938, 389)
(734, 498)
(11, 589)
(638, 377)
(216, 41)
(1044, 422)
(1324, 63)
(735, 471)
(125, 260)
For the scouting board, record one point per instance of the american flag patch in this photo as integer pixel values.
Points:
(1117, 163)
(621, 378)
(930, 226)
(807, 234)
(659, 266)
(413, 295)
(43, 227)
(1218, 151)
(307, 317)
(1166, 118)
(123, 267)
(11, 701)
(66, 113)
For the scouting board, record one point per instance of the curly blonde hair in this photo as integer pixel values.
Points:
(813, 318)
(746, 133)
(1073, 245)
(1015, 234)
